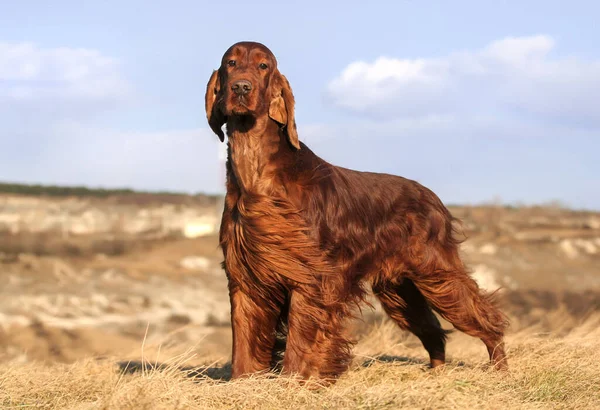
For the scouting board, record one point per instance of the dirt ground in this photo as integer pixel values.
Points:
(62, 303)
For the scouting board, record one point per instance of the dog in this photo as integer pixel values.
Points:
(302, 239)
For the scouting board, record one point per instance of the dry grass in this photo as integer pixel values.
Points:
(389, 372)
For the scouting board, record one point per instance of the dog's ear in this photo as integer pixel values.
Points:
(281, 107)
(214, 113)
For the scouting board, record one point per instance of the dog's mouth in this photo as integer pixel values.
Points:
(239, 104)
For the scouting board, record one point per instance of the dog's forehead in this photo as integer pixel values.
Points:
(244, 48)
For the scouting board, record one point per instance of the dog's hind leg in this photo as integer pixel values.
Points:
(444, 282)
(408, 308)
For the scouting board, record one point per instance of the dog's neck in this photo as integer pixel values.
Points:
(251, 147)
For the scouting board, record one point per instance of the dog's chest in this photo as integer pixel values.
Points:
(267, 241)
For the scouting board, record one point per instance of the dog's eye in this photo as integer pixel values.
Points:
(263, 66)
(231, 63)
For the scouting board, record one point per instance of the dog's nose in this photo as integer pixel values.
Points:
(241, 87)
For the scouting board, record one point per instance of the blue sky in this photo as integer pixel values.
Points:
(479, 100)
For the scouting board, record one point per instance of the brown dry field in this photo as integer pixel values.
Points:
(109, 320)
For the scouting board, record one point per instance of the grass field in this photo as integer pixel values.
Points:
(390, 371)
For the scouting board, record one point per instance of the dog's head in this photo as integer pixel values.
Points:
(248, 83)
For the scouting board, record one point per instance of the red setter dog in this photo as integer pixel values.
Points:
(301, 238)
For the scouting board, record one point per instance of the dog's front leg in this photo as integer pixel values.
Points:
(316, 343)
(253, 327)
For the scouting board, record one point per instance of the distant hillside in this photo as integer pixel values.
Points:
(121, 195)
(56, 190)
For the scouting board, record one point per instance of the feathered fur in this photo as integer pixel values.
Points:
(302, 238)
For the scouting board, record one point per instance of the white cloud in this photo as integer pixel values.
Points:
(29, 73)
(511, 74)
(51, 128)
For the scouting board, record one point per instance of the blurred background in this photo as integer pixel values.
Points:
(112, 181)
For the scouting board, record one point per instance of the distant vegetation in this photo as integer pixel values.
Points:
(80, 191)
